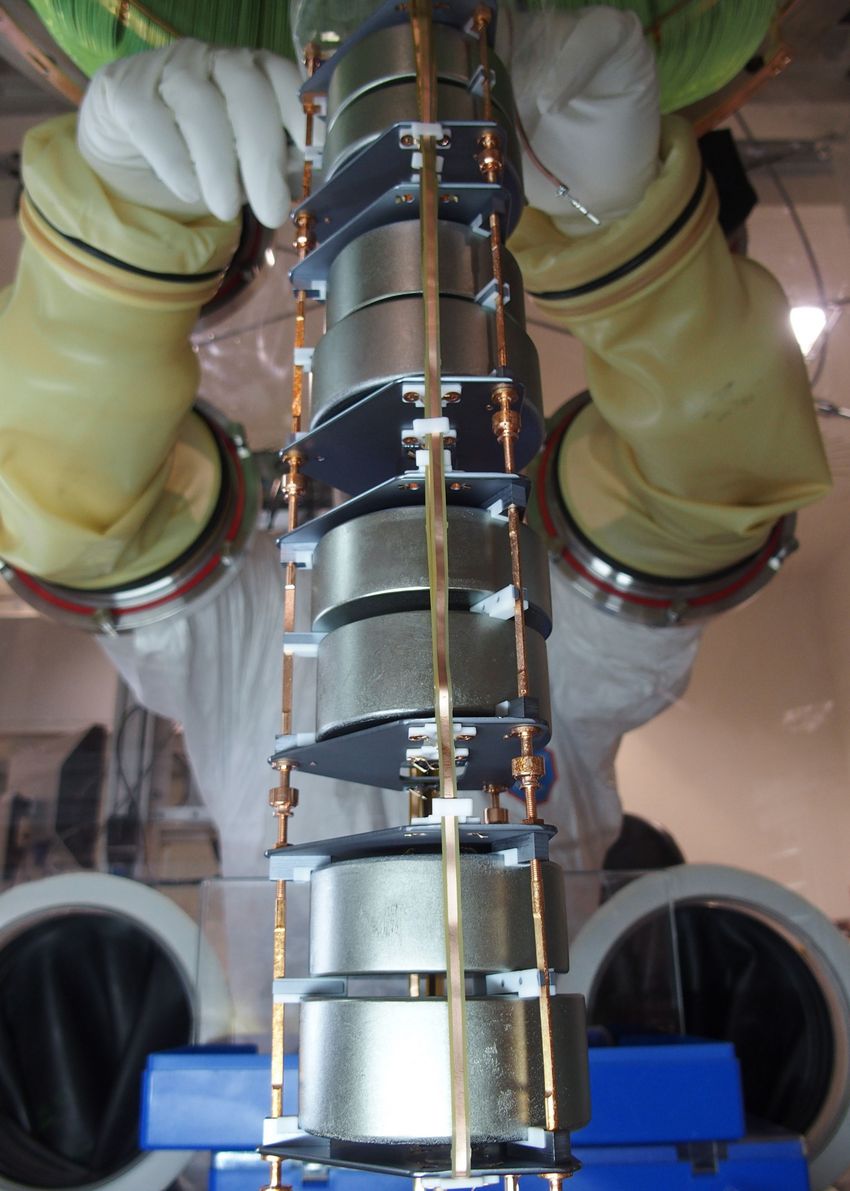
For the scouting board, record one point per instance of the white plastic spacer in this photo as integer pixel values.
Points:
(290, 990)
(318, 290)
(486, 297)
(423, 426)
(416, 163)
(278, 1129)
(501, 605)
(302, 357)
(421, 460)
(418, 130)
(298, 868)
(481, 1180)
(524, 984)
(302, 645)
(451, 808)
(313, 154)
(302, 556)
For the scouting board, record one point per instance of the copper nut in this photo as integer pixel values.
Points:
(506, 424)
(523, 767)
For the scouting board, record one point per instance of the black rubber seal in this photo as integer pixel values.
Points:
(642, 257)
(178, 278)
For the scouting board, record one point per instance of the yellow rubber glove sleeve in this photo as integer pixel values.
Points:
(105, 474)
(702, 431)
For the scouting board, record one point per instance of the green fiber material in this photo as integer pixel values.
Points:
(701, 44)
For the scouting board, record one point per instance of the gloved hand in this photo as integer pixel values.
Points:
(587, 94)
(191, 129)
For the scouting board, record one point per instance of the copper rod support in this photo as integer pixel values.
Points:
(480, 23)
(426, 83)
(284, 798)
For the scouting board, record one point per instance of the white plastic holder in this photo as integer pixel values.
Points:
(486, 297)
(501, 605)
(422, 427)
(302, 645)
(302, 357)
(427, 732)
(418, 387)
(524, 984)
(317, 290)
(297, 868)
(289, 990)
(416, 163)
(422, 460)
(418, 129)
(277, 1130)
(481, 1180)
(301, 556)
(448, 808)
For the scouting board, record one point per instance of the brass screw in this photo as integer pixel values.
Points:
(404, 198)
(410, 441)
(451, 398)
(444, 142)
(495, 812)
(410, 397)
(409, 487)
(408, 141)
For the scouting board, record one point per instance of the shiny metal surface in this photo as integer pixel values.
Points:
(383, 915)
(388, 56)
(369, 116)
(380, 669)
(384, 263)
(648, 599)
(378, 1070)
(383, 342)
(378, 564)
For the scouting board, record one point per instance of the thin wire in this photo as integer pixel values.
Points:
(806, 243)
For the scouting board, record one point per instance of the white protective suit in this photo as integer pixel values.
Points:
(685, 461)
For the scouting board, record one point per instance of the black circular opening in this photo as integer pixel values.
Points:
(84, 998)
(739, 981)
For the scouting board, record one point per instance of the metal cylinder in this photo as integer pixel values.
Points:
(386, 341)
(379, 563)
(380, 669)
(386, 262)
(373, 112)
(388, 56)
(378, 1070)
(383, 915)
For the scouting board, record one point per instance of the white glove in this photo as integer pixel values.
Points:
(587, 94)
(191, 129)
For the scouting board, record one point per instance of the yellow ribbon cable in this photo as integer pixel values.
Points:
(436, 527)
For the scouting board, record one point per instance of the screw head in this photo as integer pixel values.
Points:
(410, 397)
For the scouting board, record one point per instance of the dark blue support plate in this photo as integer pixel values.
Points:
(361, 447)
(528, 841)
(376, 756)
(379, 186)
(468, 489)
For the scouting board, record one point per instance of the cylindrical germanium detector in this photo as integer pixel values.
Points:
(384, 915)
(377, 1070)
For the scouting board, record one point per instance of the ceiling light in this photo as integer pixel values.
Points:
(808, 324)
